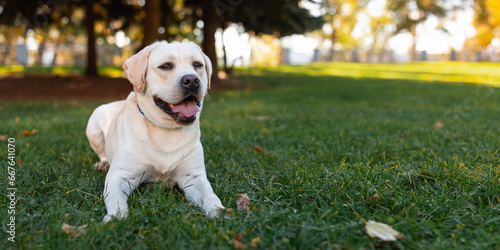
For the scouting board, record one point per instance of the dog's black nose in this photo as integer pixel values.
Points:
(191, 82)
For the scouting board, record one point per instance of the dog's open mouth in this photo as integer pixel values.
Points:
(183, 112)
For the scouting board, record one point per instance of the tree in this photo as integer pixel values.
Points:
(41, 15)
(278, 17)
(409, 13)
(91, 69)
(151, 23)
(210, 25)
(486, 22)
(341, 15)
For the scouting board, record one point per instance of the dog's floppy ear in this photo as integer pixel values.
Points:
(136, 67)
(208, 65)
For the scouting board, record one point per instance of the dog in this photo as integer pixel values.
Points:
(154, 135)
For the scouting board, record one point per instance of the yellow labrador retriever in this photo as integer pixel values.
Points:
(155, 134)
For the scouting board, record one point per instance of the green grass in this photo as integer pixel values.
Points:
(14, 70)
(330, 143)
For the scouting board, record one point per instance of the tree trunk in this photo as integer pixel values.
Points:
(225, 65)
(41, 50)
(56, 49)
(333, 37)
(211, 24)
(91, 69)
(151, 23)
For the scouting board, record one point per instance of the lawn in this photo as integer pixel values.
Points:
(318, 150)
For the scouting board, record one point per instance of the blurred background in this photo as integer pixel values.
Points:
(63, 37)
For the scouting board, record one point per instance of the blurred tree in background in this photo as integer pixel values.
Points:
(487, 23)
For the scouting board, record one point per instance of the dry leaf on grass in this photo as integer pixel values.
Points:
(374, 199)
(243, 202)
(227, 210)
(438, 125)
(262, 117)
(72, 230)
(3, 137)
(258, 150)
(17, 120)
(237, 240)
(381, 231)
(27, 132)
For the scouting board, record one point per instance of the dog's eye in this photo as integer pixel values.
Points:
(166, 66)
(197, 64)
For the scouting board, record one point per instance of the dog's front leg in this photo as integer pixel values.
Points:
(116, 191)
(197, 190)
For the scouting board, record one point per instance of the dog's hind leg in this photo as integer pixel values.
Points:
(99, 125)
(96, 135)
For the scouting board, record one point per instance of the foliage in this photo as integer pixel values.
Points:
(341, 15)
(408, 14)
(487, 23)
(283, 17)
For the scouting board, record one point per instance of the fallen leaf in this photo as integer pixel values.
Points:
(262, 117)
(338, 245)
(258, 150)
(381, 231)
(237, 240)
(19, 162)
(375, 198)
(255, 242)
(227, 210)
(255, 102)
(27, 132)
(438, 125)
(243, 202)
(3, 137)
(17, 120)
(72, 230)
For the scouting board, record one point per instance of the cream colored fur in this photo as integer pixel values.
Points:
(150, 147)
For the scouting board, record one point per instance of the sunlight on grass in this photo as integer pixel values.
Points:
(109, 71)
(479, 73)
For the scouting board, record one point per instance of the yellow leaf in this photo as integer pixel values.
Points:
(255, 242)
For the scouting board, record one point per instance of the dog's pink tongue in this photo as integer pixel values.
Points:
(187, 108)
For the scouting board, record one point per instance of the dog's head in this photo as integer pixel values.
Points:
(170, 81)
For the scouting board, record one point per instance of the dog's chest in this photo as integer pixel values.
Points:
(167, 151)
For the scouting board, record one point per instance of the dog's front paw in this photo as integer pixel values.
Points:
(218, 211)
(102, 166)
(107, 218)
(118, 216)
